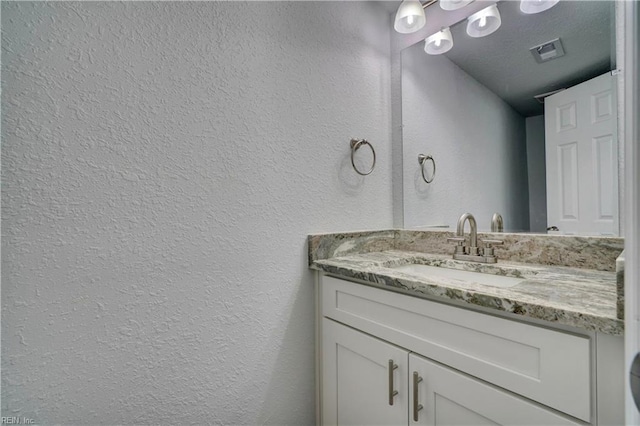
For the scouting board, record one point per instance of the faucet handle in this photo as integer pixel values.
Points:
(489, 243)
(460, 247)
(488, 250)
(459, 240)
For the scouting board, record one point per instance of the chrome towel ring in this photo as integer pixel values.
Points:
(423, 159)
(355, 145)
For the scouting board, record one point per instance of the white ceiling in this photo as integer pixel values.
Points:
(503, 63)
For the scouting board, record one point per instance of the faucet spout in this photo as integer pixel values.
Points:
(472, 252)
(473, 232)
(497, 224)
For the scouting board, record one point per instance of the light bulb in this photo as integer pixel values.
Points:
(409, 17)
(484, 22)
(439, 43)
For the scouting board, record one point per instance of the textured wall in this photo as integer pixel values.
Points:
(478, 142)
(162, 164)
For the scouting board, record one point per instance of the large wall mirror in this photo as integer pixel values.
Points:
(501, 143)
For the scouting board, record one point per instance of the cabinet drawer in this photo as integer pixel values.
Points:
(550, 367)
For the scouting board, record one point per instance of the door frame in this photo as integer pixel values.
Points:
(632, 196)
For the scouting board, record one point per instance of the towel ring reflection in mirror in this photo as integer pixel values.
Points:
(422, 159)
(355, 145)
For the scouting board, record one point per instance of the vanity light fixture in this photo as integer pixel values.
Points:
(453, 4)
(484, 22)
(536, 6)
(409, 17)
(439, 43)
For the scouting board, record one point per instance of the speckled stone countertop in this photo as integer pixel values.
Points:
(582, 291)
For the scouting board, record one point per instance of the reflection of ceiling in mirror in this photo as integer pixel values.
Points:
(502, 61)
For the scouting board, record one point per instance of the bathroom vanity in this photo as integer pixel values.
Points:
(407, 335)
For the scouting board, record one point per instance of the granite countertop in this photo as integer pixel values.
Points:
(578, 297)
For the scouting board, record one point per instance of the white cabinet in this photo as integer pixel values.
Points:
(367, 381)
(475, 368)
(364, 379)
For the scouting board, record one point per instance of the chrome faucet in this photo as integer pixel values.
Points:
(472, 252)
(497, 224)
(473, 232)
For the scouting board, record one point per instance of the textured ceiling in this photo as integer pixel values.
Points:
(503, 63)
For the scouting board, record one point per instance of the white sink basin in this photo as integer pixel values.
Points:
(435, 272)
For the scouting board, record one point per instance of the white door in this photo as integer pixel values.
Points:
(582, 158)
(359, 384)
(449, 397)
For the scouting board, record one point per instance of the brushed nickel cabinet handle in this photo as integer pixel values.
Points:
(416, 407)
(392, 392)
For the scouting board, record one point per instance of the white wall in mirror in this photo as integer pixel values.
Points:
(536, 172)
(476, 139)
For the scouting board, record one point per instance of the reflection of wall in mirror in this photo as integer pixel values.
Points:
(537, 173)
(477, 140)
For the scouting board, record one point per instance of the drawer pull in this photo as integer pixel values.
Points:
(392, 392)
(416, 407)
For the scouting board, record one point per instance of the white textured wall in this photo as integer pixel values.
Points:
(537, 172)
(162, 164)
(477, 140)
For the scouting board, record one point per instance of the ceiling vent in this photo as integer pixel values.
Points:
(547, 51)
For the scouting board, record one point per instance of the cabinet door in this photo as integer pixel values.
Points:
(357, 379)
(449, 397)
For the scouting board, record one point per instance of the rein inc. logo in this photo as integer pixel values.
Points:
(16, 421)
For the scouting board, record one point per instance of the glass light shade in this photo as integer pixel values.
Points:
(439, 43)
(453, 4)
(536, 6)
(409, 17)
(485, 22)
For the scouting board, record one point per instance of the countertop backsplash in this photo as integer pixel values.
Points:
(579, 282)
(599, 253)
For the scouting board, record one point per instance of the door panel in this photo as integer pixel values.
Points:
(356, 379)
(449, 412)
(581, 158)
(449, 397)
